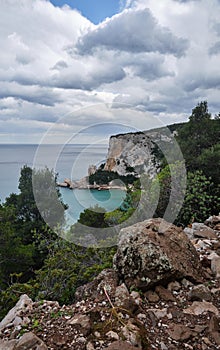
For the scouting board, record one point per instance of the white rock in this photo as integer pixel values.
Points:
(112, 335)
(23, 304)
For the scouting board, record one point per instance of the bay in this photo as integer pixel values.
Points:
(69, 161)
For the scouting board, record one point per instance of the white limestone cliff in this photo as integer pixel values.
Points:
(137, 152)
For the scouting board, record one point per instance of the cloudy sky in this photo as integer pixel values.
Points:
(67, 65)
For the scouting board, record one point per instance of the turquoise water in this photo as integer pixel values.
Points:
(71, 162)
(78, 200)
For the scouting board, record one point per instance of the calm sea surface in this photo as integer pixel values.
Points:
(71, 161)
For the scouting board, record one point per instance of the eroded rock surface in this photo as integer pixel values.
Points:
(154, 252)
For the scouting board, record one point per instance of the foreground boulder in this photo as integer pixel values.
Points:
(154, 252)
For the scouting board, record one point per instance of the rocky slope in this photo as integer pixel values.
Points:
(163, 294)
(137, 152)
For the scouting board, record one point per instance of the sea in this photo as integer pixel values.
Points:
(68, 161)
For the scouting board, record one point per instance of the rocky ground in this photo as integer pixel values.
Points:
(163, 293)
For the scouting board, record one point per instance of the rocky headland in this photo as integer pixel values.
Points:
(138, 152)
(130, 153)
(163, 293)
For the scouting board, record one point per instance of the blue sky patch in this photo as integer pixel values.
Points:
(95, 10)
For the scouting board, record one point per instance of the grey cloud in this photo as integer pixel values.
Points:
(203, 82)
(215, 49)
(60, 65)
(69, 79)
(141, 103)
(23, 59)
(34, 95)
(216, 28)
(149, 66)
(133, 31)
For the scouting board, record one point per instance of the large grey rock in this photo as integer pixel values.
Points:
(155, 252)
(23, 304)
(30, 341)
(8, 344)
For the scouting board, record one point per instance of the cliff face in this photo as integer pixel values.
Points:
(137, 152)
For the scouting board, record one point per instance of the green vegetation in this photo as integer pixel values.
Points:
(103, 177)
(34, 260)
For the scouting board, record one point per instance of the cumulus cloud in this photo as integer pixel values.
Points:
(132, 31)
(156, 57)
(215, 49)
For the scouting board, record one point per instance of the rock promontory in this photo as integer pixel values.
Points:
(138, 151)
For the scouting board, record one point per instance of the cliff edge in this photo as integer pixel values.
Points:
(138, 152)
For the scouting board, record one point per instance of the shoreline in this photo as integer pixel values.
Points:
(84, 185)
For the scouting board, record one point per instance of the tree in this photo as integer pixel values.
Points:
(93, 217)
(198, 134)
(69, 266)
(47, 197)
(29, 226)
(200, 113)
(200, 201)
(15, 256)
(170, 182)
(209, 163)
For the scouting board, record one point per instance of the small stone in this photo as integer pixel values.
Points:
(186, 283)
(152, 297)
(215, 264)
(174, 286)
(159, 313)
(141, 317)
(89, 346)
(179, 332)
(206, 234)
(112, 335)
(81, 322)
(163, 346)
(206, 341)
(132, 334)
(97, 334)
(198, 308)
(81, 340)
(187, 346)
(200, 293)
(136, 296)
(164, 293)
(121, 294)
(189, 232)
(214, 329)
(121, 345)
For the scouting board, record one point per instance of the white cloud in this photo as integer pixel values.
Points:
(158, 57)
(132, 31)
